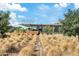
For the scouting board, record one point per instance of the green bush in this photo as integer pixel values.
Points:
(20, 29)
(70, 24)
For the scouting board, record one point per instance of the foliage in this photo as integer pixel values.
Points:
(4, 22)
(70, 24)
(20, 29)
(48, 29)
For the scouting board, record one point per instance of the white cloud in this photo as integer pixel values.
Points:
(56, 5)
(15, 7)
(12, 15)
(21, 16)
(63, 4)
(43, 7)
(23, 9)
(44, 15)
(3, 6)
(76, 5)
(13, 21)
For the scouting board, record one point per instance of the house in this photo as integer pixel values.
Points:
(56, 27)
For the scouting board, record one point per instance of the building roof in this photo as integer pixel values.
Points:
(41, 24)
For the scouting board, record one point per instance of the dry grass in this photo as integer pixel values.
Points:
(24, 43)
(16, 41)
(57, 44)
(26, 51)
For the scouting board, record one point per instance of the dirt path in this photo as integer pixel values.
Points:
(38, 47)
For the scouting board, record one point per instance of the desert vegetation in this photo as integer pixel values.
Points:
(23, 44)
(16, 41)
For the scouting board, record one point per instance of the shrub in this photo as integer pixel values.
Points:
(26, 51)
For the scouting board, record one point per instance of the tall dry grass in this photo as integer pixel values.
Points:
(23, 43)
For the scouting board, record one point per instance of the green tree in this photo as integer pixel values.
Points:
(4, 22)
(48, 29)
(70, 24)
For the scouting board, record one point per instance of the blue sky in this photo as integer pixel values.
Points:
(37, 13)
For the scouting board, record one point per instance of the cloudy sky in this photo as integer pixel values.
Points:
(36, 13)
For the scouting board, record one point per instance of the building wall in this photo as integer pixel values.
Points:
(56, 28)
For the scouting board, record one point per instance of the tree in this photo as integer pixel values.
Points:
(70, 24)
(4, 22)
(48, 29)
